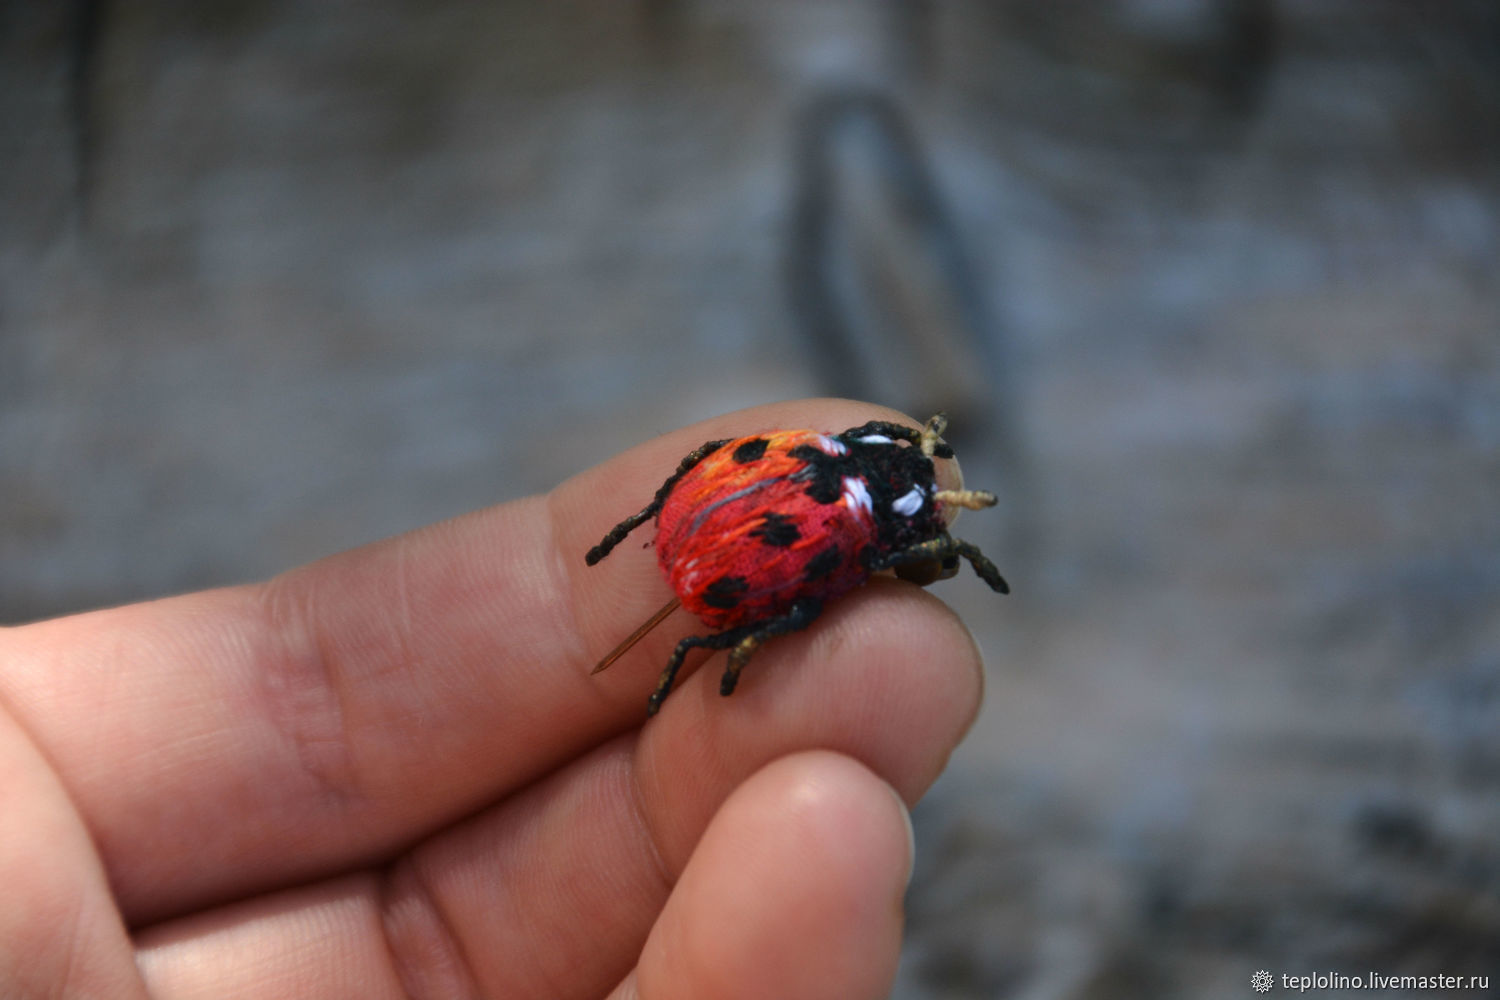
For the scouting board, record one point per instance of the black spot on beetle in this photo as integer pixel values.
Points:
(778, 530)
(823, 472)
(750, 450)
(823, 563)
(725, 592)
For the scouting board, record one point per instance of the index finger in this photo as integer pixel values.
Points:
(233, 740)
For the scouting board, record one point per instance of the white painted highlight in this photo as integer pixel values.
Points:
(909, 503)
(830, 446)
(857, 496)
(875, 439)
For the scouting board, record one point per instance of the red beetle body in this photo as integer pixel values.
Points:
(755, 534)
(740, 538)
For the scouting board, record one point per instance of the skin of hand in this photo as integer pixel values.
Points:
(389, 773)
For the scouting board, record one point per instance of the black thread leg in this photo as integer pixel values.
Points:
(936, 549)
(896, 432)
(674, 663)
(901, 432)
(802, 614)
(986, 570)
(618, 532)
(738, 656)
(945, 547)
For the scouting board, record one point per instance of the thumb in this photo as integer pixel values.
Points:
(794, 891)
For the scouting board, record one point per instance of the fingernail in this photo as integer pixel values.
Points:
(911, 835)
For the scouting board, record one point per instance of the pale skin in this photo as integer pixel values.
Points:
(390, 774)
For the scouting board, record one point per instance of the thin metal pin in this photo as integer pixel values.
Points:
(637, 635)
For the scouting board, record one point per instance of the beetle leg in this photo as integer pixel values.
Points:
(944, 547)
(802, 614)
(737, 658)
(674, 663)
(744, 641)
(618, 532)
(901, 432)
(986, 570)
(896, 432)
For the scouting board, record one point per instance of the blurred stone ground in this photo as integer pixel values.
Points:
(1212, 286)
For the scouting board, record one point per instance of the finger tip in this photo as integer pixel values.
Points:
(804, 866)
(844, 809)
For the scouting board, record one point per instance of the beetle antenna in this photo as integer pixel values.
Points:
(967, 499)
(637, 635)
(932, 433)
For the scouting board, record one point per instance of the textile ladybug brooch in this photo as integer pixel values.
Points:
(757, 534)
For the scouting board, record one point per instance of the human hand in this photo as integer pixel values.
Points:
(390, 774)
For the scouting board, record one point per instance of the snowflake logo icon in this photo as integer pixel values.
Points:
(1261, 982)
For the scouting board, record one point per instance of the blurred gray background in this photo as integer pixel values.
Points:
(1208, 286)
